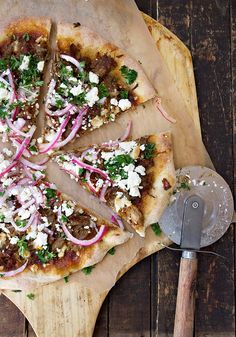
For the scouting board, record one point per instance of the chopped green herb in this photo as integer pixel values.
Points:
(103, 90)
(66, 279)
(124, 94)
(149, 150)
(1, 275)
(130, 75)
(17, 291)
(50, 193)
(13, 105)
(26, 37)
(31, 296)
(2, 193)
(3, 113)
(80, 171)
(33, 148)
(3, 64)
(184, 186)
(59, 103)
(156, 229)
(84, 180)
(2, 217)
(14, 62)
(65, 72)
(21, 223)
(112, 251)
(34, 176)
(87, 270)
(22, 245)
(62, 158)
(45, 256)
(64, 218)
(38, 83)
(80, 99)
(115, 166)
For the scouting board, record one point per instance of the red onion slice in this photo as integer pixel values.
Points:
(102, 231)
(90, 184)
(90, 168)
(21, 149)
(103, 191)
(116, 219)
(18, 143)
(76, 126)
(127, 132)
(9, 168)
(18, 132)
(163, 112)
(34, 166)
(72, 60)
(23, 229)
(59, 113)
(14, 272)
(51, 145)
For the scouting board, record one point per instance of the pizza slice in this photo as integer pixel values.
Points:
(43, 233)
(92, 82)
(135, 178)
(24, 46)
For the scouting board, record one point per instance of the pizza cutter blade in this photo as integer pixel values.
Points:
(199, 213)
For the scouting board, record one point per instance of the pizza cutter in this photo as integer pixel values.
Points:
(200, 212)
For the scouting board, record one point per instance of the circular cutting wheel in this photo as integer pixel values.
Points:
(218, 199)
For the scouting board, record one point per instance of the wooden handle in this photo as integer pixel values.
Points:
(184, 314)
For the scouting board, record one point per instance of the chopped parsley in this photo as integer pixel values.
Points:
(64, 218)
(129, 75)
(2, 194)
(112, 251)
(33, 148)
(184, 186)
(22, 246)
(80, 99)
(62, 158)
(115, 166)
(87, 270)
(65, 72)
(31, 296)
(50, 193)
(156, 229)
(102, 90)
(3, 112)
(124, 94)
(13, 105)
(21, 223)
(26, 37)
(80, 171)
(59, 103)
(45, 256)
(66, 279)
(149, 150)
(2, 217)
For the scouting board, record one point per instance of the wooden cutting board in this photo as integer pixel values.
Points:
(63, 309)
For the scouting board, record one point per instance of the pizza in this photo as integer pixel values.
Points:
(43, 233)
(92, 81)
(135, 178)
(78, 86)
(23, 50)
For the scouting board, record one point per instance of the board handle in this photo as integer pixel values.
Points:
(185, 305)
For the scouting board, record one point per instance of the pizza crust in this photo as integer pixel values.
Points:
(92, 43)
(37, 26)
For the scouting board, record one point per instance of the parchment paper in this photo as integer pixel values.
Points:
(121, 23)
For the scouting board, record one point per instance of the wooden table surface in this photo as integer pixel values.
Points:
(142, 303)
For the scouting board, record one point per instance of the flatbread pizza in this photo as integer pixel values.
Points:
(135, 178)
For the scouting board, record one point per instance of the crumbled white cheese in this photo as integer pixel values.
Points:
(25, 194)
(99, 184)
(93, 78)
(114, 101)
(6, 182)
(4, 94)
(128, 146)
(32, 209)
(69, 69)
(4, 164)
(24, 214)
(121, 201)
(75, 91)
(96, 122)
(124, 104)
(8, 152)
(50, 135)
(142, 147)
(14, 240)
(3, 127)
(25, 63)
(41, 240)
(92, 96)
(67, 208)
(40, 66)
(132, 183)
(141, 170)
(31, 235)
(107, 155)
(4, 228)
(40, 140)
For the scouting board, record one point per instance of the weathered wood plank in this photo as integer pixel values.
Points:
(12, 323)
(210, 44)
(129, 307)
